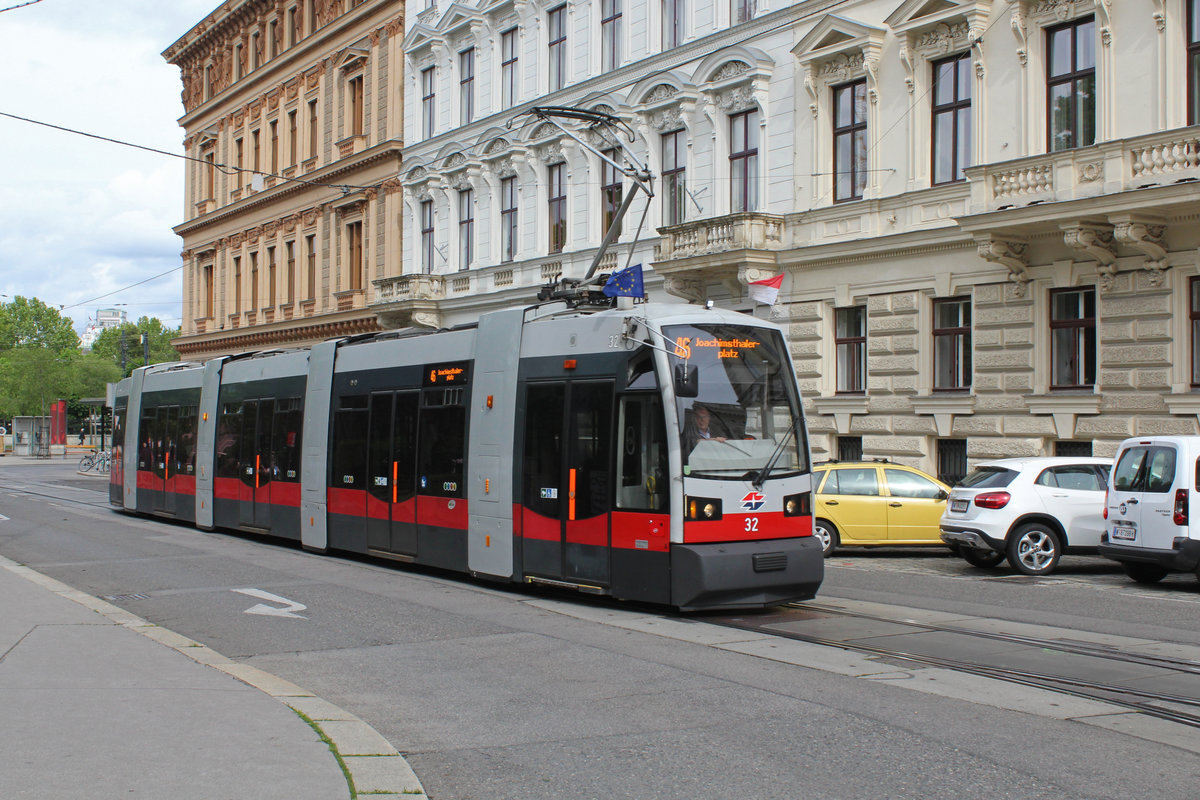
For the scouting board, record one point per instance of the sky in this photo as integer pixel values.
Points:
(80, 218)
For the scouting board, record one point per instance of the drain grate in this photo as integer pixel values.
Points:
(116, 598)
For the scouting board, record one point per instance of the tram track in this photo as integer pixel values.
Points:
(1057, 665)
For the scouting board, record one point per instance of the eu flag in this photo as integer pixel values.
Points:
(626, 283)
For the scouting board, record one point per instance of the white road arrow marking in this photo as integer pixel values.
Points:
(289, 606)
(2, 517)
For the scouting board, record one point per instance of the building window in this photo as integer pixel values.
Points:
(850, 140)
(310, 248)
(466, 85)
(951, 460)
(255, 51)
(256, 151)
(610, 190)
(743, 10)
(952, 344)
(207, 281)
(253, 281)
(1071, 84)
(1193, 60)
(610, 34)
(427, 237)
(427, 102)
(293, 135)
(274, 129)
(557, 19)
(314, 130)
(295, 26)
(1194, 314)
(850, 340)
(273, 38)
(357, 109)
(1073, 449)
(557, 174)
(210, 174)
(849, 448)
(743, 161)
(508, 219)
(672, 23)
(237, 284)
(508, 69)
(466, 228)
(239, 147)
(951, 118)
(1072, 338)
(674, 175)
(354, 253)
(291, 272)
(271, 283)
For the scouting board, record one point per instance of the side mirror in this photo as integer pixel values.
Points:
(942, 494)
(687, 380)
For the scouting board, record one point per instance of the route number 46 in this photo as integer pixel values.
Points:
(751, 524)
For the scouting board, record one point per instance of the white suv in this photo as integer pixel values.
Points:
(1028, 509)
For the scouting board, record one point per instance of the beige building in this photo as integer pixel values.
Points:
(293, 113)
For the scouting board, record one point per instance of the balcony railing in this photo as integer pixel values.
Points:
(1106, 168)
(749, 231)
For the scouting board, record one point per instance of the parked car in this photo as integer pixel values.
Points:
(1030, 510)
(1150, 529)
(876, 503)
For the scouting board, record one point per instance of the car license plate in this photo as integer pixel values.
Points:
(958, 506)
(1127, 532)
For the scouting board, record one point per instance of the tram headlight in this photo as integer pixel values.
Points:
(703, 509)
(797, 505)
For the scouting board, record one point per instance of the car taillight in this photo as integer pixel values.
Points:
(992, 499)
(1104, 513)
(1181, 507)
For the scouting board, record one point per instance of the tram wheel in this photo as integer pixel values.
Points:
(825, 530)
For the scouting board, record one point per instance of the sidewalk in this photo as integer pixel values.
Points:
(99, 703)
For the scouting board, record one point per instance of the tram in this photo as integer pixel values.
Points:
(654, 452)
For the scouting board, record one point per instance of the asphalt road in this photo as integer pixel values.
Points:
(491, 693)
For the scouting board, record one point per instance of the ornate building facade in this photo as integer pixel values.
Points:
(985, 210)
(293, 114)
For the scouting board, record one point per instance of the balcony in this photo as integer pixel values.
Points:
(1158, 159)
(745, 231)
(351, 145)
(408, 300)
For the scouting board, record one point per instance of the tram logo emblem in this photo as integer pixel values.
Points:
(753, 501)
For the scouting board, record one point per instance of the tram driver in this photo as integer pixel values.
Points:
(700, 427)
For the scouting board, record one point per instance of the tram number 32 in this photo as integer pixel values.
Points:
(751, 524)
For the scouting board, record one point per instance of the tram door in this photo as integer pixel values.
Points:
(567, 480)
(160, 432)
(391, 471)
(255, 509)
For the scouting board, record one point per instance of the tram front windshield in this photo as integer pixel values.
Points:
(738, 407)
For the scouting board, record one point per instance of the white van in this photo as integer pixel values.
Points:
(1150, 528)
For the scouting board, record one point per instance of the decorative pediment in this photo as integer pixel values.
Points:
(923, 15)
(354, 57)
(497, 147)
(836, 36)
(457, 19)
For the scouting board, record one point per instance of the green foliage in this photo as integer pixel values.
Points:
(108, 344)
(40, 359)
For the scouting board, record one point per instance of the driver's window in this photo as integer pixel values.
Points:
(642, 454)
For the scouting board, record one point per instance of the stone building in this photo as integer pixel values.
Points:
(293, 113)
(985, 210)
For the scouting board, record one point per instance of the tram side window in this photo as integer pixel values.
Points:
(285, 454)
(643, 455)
(185, 453)
(350, 444)
(441, 460)
(229, 432)
(118, 430)
(149, 430)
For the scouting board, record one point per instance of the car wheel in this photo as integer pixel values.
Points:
(827, 533)
(1034, 549)
(1145, 573)
(981, 558)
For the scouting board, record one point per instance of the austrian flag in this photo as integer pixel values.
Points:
(766, 291)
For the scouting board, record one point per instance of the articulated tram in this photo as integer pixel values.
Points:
(655, 453)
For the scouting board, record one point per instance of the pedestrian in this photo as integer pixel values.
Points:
(81, 435)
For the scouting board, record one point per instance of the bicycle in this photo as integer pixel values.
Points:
(99, 460)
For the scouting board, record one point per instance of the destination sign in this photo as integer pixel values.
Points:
(726, 348)
(446, 374)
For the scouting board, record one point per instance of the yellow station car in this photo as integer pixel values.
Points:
(876, 503)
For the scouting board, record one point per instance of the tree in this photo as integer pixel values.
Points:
(26, 322)
(108, 344)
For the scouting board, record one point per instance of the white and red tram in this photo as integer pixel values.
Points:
(548, 444)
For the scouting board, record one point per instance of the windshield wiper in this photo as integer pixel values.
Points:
(778, 451)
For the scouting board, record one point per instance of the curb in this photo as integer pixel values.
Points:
(373, 767)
